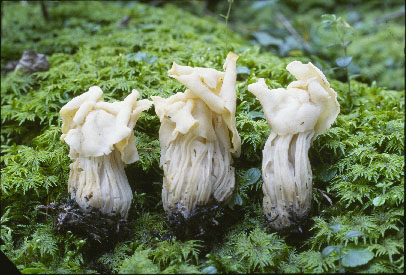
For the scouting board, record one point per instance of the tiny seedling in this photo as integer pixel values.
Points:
(226, 17)
(344, 33)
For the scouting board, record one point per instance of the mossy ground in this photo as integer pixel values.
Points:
(358, 165)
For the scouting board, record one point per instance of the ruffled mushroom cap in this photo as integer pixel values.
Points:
(308, 103)
(216, 89)
(313, 80)
(92, 127)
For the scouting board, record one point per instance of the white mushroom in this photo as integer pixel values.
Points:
(101, 140)
(296, 115)
(195, 137)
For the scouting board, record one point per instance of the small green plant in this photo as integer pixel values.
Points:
(350, 257)
(255, 251)
(226, 17)
(344, 33)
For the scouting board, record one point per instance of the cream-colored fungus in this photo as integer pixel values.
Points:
(296, 115)
(195, 140)
(101, 140)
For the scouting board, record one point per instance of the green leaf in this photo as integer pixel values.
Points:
(354, 76)
(335, 227)
(356, 257)
(346, 43)
(243, 70)
(266, 39)
(141, 56)
(238, 200)
(378, 201)
(354, 233)
(252, 175)
(327, 175)
(209, 270)
(343, 61)
(254, 114)
(331, 17)
(328, 250)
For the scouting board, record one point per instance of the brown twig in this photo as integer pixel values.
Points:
(285, 22)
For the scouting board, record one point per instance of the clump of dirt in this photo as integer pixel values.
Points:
(102, 230)
(299, 224)
(297, 232)
(202, 223)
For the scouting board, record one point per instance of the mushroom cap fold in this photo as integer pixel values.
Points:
(306, 104)
(216, 89)
(92, 128)
(317, 85)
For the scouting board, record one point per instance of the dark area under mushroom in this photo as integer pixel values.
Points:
(298, 229)
(202, 223)
(103, 231)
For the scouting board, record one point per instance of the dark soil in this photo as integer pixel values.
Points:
(202, 223)
(103, 231)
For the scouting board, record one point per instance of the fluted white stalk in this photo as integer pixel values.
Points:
(195, 138)
(296, 115)
(101, 140)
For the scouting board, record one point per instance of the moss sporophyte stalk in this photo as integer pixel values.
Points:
(357, 166)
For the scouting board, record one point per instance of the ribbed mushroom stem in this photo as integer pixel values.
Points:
(197, 170)
(287, 179)
(101, 183)
(198, 135)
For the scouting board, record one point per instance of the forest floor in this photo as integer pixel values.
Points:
(357, 214)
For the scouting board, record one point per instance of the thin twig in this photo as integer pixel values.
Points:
(285, 22)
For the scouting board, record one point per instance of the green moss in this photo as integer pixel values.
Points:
(358, 164)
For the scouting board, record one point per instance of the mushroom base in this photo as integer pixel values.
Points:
(202, 222)
(102, 230)
(294, 223)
